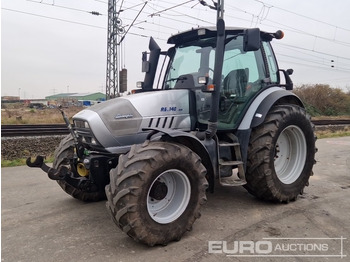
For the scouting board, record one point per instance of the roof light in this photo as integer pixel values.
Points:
(139, 84)
(203, 80)
(201, 31)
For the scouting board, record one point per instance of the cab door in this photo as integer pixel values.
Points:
(244, 74)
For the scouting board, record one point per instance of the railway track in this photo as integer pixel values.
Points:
(61, 129)
(33, 130)
(331, 122)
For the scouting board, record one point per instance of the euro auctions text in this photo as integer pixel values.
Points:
(280, 247)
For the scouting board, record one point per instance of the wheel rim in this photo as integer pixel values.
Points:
(290, 154)
(168, 196)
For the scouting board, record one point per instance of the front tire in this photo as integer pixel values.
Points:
(63, 156)
(156, 192)
(281, 154)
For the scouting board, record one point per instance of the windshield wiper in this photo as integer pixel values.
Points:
(177, 78)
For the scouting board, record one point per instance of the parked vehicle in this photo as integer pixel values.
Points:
(222, 111)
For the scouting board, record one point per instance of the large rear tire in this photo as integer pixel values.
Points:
(63, 156)
(281, 154)
(156, 191)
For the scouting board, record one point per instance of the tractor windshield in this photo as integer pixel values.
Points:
(191, 61)
(243, 75)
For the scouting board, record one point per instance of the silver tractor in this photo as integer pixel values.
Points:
(221, 111)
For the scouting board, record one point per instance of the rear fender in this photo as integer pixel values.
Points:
(262, 104)
(258, 110)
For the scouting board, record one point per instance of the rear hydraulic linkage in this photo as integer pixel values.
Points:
(54, 174)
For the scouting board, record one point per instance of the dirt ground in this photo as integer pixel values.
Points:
(21, 114)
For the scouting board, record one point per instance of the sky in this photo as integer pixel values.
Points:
(58, 46)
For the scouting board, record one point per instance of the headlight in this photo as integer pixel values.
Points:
(81, 124)
(84, 132)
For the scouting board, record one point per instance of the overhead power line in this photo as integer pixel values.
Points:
(298, 31)
(304, 16)
(121, 40)
(66, 7)
(79, 23)
(131, 7)
(165, 16)
(263, 21)
(323, 65)
(169, 8)
(104, 2)
(53, 18)
(313, 51)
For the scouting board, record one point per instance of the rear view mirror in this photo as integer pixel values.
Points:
(251, 39)
(145, 63)
(145, 66)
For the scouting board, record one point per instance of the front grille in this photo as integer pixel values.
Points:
(85, 135)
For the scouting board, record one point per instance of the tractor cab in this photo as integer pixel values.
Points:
(249, 66)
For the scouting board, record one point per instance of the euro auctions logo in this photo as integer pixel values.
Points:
(240, 247)
(280, 247)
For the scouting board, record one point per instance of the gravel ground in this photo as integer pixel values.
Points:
(23, 147)
(40, 222)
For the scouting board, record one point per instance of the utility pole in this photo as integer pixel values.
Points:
(114, 28)
(115, 36)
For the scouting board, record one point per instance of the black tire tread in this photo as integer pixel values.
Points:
(260, 173)
(127, 181)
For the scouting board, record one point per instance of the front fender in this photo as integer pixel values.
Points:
(206, 150)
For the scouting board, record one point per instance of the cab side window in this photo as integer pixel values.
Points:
(271, 63)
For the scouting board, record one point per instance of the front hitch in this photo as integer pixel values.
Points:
(55, 174)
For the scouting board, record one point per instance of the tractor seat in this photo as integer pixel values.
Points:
(235, 82)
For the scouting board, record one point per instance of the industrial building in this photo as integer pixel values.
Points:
(76, 99)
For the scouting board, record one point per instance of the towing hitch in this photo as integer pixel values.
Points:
(54, 174)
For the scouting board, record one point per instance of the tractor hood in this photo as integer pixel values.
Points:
(120, 121)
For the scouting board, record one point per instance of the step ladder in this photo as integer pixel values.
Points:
(238, 175)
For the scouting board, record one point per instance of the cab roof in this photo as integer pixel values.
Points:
(201, 32)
